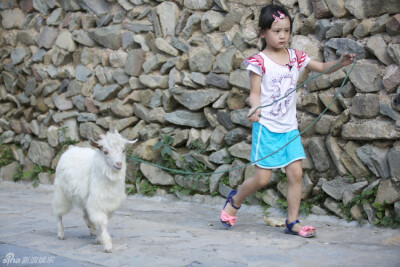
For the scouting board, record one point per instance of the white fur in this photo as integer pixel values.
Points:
(94, 180)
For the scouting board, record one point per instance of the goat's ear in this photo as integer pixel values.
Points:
(95, 144)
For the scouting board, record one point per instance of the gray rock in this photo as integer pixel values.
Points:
(154, 81)
(224, 61)
(154, 63)
(41, 153)
(195, 100)
(12, 18)
(193, 182)
(192, 24)
(86, 117)
(120, 77)
(370, 130)
(365, 106)
(240, 117)
(17, 55)
(335, 151)
(61, 102)
(99, 7)
(104, 93)
(141, 112)
(319, 154)
(168, 13)
(180, 45)
(109, 37)
(90, 130)
(363, 29)
(240, 78)
(7, 172)
(335, 188)
(334, 206)
(241, 150)
(218, 174)
(221, 156)
(394, 52)
(62, 116)
(353, 190)
(337, 8)
(321, 10)
(235, 136)
(270, 196)
(217, 137)
(394, 162)
(236, 175)
(376, 160)
(217, 80)
(156, 176)
(391, 80)
(372, 8)
(322, 27)
(200, 60)
(366, 76)
(378, 47)
(186, 118)
(343, 45)
(55, 17)
(47, 37)
(202, 159)
(83, 73)
(165, 47)
(134, 62)
(210, 21)
(352, 161)
(198, 4)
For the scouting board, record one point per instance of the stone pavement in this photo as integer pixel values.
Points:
(164, 231)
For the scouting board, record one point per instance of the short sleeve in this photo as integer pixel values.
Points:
(255, 64)
(302, 59)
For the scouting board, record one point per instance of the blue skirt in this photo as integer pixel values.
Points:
(265, 144)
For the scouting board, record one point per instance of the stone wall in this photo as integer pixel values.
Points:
(71, 70)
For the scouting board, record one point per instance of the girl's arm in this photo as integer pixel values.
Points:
(254, 98)
(324, 66)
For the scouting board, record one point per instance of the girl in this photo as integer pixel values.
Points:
(273, 74)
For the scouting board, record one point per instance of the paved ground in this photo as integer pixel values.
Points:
(164, 231)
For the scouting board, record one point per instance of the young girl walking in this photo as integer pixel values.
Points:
(273, 74)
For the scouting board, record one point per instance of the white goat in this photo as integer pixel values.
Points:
(93, 179)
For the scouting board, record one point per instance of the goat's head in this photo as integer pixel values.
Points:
(112, 145)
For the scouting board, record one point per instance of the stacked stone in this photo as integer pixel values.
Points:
(71, 70)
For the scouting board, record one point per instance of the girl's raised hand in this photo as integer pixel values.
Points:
(347, 59)
(256, 116)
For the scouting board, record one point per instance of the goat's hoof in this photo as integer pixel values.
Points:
(107, 250)
(92, 234)
(99, 241)
(61, 237)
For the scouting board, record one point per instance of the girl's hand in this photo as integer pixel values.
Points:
(347, 59)
(256, 116)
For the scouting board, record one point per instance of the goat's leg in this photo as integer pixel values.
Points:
(100, 219)
(60, 227)
(105, 237)
(89, 223)
(61, 206)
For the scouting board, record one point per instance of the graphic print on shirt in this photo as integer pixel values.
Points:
(280, 83)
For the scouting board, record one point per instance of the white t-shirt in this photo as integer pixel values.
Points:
(278, 81)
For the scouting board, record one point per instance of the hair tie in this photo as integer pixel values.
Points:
(281, 16)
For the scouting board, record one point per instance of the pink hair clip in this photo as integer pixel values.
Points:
(281, 16)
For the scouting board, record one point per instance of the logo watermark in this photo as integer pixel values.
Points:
(11, 259)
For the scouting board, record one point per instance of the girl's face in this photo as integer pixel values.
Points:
(278, 36)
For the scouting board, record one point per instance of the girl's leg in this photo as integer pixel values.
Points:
(294, 173)
(259, 180)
